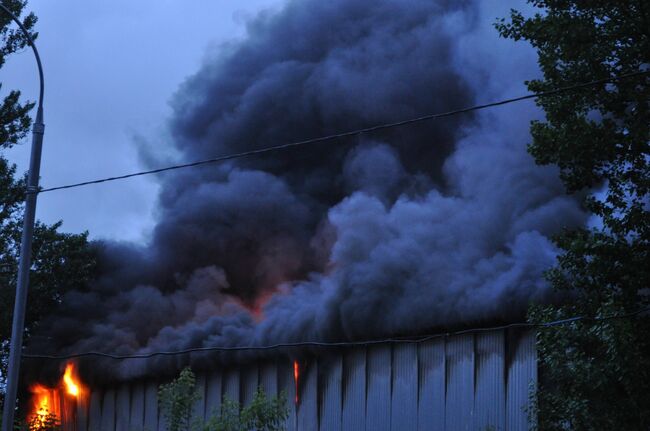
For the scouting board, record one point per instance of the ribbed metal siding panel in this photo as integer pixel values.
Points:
(231, 385)
(522, 373)
(108, 411)
(122, 408)
(150, 407)
(95, 410)
(460, 383)
(287, 384)
(456, 384)
(81, 418)
(379, 388)
(269, 378)
(307, 409)
(249, 384)
(431, 386)
(68, 415)
(404, 396)
(213, 394)
(198, 410)
(354, 390)
(330, 377)
(162, 421)
(136, 418)
(489, 400)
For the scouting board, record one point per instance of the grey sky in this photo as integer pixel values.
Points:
(110, 70)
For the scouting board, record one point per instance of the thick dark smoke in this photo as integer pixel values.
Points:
(435, 225)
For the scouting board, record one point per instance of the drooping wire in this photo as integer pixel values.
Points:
(419, 339)
(350, 133)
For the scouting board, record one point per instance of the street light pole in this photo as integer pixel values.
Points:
(18, 326)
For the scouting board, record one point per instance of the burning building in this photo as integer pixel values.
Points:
(472, 381)
(62, 404)
(420, 229)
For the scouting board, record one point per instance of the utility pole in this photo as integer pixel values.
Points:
(18, 326)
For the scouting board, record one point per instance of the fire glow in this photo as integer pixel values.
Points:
(59, 402)
(296, 376)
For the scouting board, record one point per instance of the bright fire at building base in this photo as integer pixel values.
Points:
(57, 405)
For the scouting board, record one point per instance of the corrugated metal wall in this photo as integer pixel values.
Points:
(475, 381)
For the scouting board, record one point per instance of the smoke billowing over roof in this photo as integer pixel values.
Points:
(440, 224)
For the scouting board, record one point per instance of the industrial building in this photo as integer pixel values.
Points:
(479, 380)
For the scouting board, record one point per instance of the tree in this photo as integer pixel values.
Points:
(262, 414)
(595, 375)
(61, 261)
(177, 398)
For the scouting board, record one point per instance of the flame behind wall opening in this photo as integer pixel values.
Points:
(296, 376)
(57, 403)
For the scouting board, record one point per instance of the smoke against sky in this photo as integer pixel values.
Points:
(440, 224)
(109, 76)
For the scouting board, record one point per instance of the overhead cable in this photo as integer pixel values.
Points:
(419, 339)
(350, 133)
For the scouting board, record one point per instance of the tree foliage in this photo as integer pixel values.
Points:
(262, 414)
(60, 261)
(595, 376)
(177, 398)
(14, 118)
(46, 421)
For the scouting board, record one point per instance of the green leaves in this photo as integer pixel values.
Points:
(44, 421)
(14, 118)
(176, 401)
(595, 376)
(262, 414)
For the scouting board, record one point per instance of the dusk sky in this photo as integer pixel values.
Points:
(110, 70)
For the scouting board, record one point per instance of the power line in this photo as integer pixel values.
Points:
(349, 133)
(341, 343)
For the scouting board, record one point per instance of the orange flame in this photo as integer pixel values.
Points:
(60, 401)
(71, 386)
(44, 402)
(296, 376)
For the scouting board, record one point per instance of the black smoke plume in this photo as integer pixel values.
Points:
(440, 224)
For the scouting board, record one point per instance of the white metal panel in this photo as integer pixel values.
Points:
(231, 384)
(249, 384)
(379, 391)
(287, 384)
(198, 410)
(68, 414)
(460, 383)
(136, 420)
(81, 416)
(354, 390)
(489, 400)
(213, 394)
(307, 409)
(431, 385)
(404, 393)
(108, 411)
(150, 407)
(330, 373)
(522, 376)
(269, 378)
(123, 408)
(95, 410)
